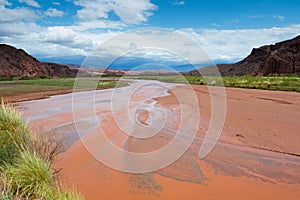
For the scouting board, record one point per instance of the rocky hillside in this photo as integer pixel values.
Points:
(57, 70)
(17, 63)
(281, 58)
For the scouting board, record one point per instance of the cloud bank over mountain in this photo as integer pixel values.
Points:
(72, 29)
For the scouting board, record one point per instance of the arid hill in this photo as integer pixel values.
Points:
(281, 58)
(16, 63)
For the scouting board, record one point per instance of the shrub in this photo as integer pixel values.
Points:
(13, 133)
(15, 137)
(25, 165)
(62, 194)
(29, 176)
(46, 145)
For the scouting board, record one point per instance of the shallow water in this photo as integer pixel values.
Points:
(117, 111)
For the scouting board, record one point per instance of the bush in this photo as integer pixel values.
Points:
(15, 138)
(62, 194)
(6, 79)
(13, 133)
(46, 145)
(28, 176)
(25, 165)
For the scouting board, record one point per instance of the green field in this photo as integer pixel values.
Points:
(284, 83)
(9, 87)
(13, 87)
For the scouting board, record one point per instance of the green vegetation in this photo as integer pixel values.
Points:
(17, 87)
(6, 79)
(25, 168)
(28, 176)
(111, 84)
(20, 87)
(13, 134)
(284, 83)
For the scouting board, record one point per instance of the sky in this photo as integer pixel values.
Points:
(67, 31)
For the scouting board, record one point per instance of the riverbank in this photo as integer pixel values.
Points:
(25, 90)
(258, 148)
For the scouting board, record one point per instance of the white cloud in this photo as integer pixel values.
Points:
(130, 12)
(215, 25)
(70, 41)
(236, 44)
(57, 42)
(16, 15)
(53, 12)
(56, 3)
(225, 45)
(32, 3)
(58, 35)
(280, 17)
(12, 31)
(17, 22)
(4, 3)
(98, 24)
(257, 16)
(18, 27)
(178, 3)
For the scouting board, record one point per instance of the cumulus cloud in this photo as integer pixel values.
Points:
(16, 15)
(178, 3)
(53, 42)
(4, 3)
(221, 45)
(236, 44)
(53, 12)
(16, 22)
(30, 3)
(58, 35)
(18, 27)
(98, 24)
(67, 41)
(280, 17)
(130, 12)
(11, 31)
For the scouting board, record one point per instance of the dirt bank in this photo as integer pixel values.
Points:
(256, 157)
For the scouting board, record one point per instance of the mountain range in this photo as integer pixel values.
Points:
(16, 63)
(280, 58)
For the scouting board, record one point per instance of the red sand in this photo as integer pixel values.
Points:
(257, 156)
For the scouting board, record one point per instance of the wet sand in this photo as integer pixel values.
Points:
(256, 157)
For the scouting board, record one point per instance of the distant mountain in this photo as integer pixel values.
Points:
(16, 63)
(73, 66)
(281, 58)
(92, 71)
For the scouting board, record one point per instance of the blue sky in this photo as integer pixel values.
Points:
(67, 31)
(229, 14)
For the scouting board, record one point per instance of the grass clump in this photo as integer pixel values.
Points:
(29, 176)
(46, 145)
(62, 194)
(25, 165)
(13, 133)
